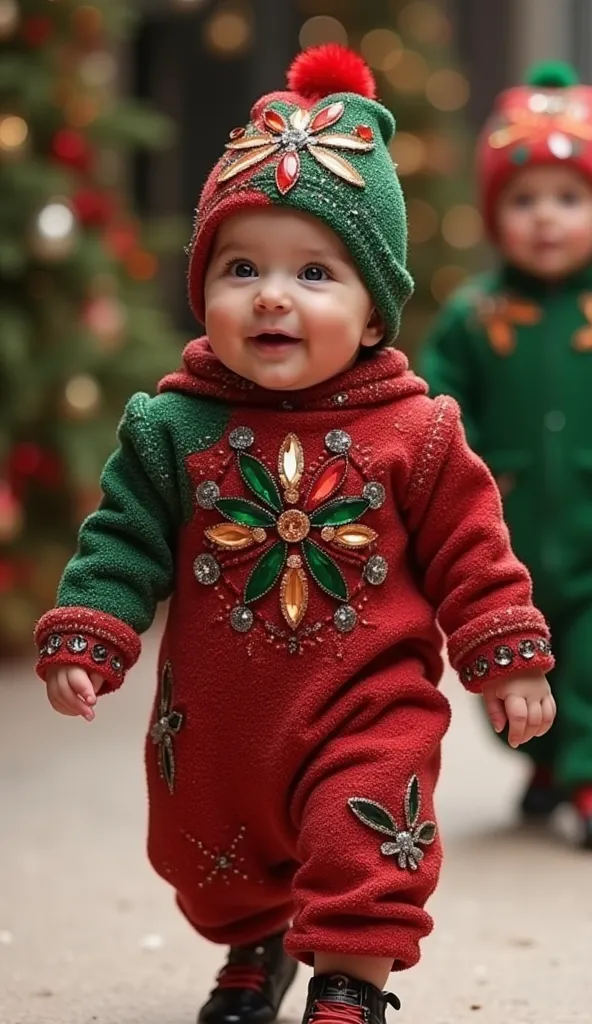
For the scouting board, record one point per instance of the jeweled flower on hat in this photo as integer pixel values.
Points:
(288, 138)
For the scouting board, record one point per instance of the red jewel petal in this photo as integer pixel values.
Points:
(287, 172)
(274, 121)
(237, 133)
(327, 116)
(327, 482)
(365, 132)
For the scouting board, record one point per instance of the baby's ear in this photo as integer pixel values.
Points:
(374, 330)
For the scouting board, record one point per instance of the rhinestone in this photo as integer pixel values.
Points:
(241, 437)
(99, 654)
(345, 618)
(560, 145)
(206, 570)
(341, 398)
(467, 674)
(375, 494)
(223, 863)
(503, 656)
(544, 646)
(43, 652)
(287, 406)
(295, 138)
(527, 649)
(54, 643)
(405, 841)
(116, 664)
(241, 619)
(376, 569)
(77, 644)
(207, 494)
(237, 133)
(538, 103)
(338, 441)
(481, 667)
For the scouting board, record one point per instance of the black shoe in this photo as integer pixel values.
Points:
(328, 992)
(251, 985)
(540, 800)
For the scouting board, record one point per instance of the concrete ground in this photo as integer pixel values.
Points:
(88, 933)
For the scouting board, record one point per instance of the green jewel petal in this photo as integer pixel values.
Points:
(260, 481)
(244, 512)
(166, 689)
(412, 801)
(375, 816)
(426, 833)
(340, 512)
(167, 762)
(324, 571)
(266, 572)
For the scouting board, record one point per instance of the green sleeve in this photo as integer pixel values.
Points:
(448, 364)
(125, 562)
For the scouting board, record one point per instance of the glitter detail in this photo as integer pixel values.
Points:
(77, 644)
(345, 618)
(207, 494)
(503, 656)
(376, 570)
(375, 494)
(241, 438)
(407, 842)
(206, 570)
(241, 619)
(224, 864)
(527, 649)
(99, 653)
(338, 441)
(341, 398)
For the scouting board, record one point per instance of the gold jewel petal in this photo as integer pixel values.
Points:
(247, 160)
(294, 596)
(230, 535)
(506, 136)
(341, 141)
(338, 165)
(300, 119)
(252, 142)
(291, 462)
(354, 536)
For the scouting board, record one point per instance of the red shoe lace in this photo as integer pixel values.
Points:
(250, 976)
(337, 1013)
(582, 799)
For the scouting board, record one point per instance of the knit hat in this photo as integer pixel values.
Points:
(321, 148)
(546, 121)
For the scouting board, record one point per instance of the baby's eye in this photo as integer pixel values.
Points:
(523, 200)
(314, 273)
(569, 198)
(241, 268)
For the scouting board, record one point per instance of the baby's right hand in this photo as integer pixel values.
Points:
(72, 691)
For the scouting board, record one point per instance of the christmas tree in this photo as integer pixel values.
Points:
(409, 47)
(79, 327)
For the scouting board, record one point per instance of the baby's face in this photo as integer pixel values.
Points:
(544, 221)
(285, 305)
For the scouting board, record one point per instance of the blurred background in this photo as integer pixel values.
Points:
(111, 116)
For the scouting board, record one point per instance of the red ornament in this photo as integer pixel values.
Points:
(25, 459)
(71, 148)
(327, 482)
(36, 30)
(327, 116)
(93, 208)
(364, 131)
(323, 70)
(274, 121)
(287, 172)
(122, 239)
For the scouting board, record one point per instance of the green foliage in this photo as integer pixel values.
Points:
(80, 323)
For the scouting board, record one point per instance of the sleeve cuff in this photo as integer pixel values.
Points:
(92, 640)
(504, 656)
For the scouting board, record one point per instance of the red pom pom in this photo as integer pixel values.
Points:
(323, 70)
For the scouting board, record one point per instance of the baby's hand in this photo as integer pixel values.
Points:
(72, 691)
(524, 702)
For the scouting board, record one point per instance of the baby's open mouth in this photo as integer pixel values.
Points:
(274, 338)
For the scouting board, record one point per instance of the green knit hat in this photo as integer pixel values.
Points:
(320, 148)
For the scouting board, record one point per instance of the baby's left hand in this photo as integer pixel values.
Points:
(525, 702)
